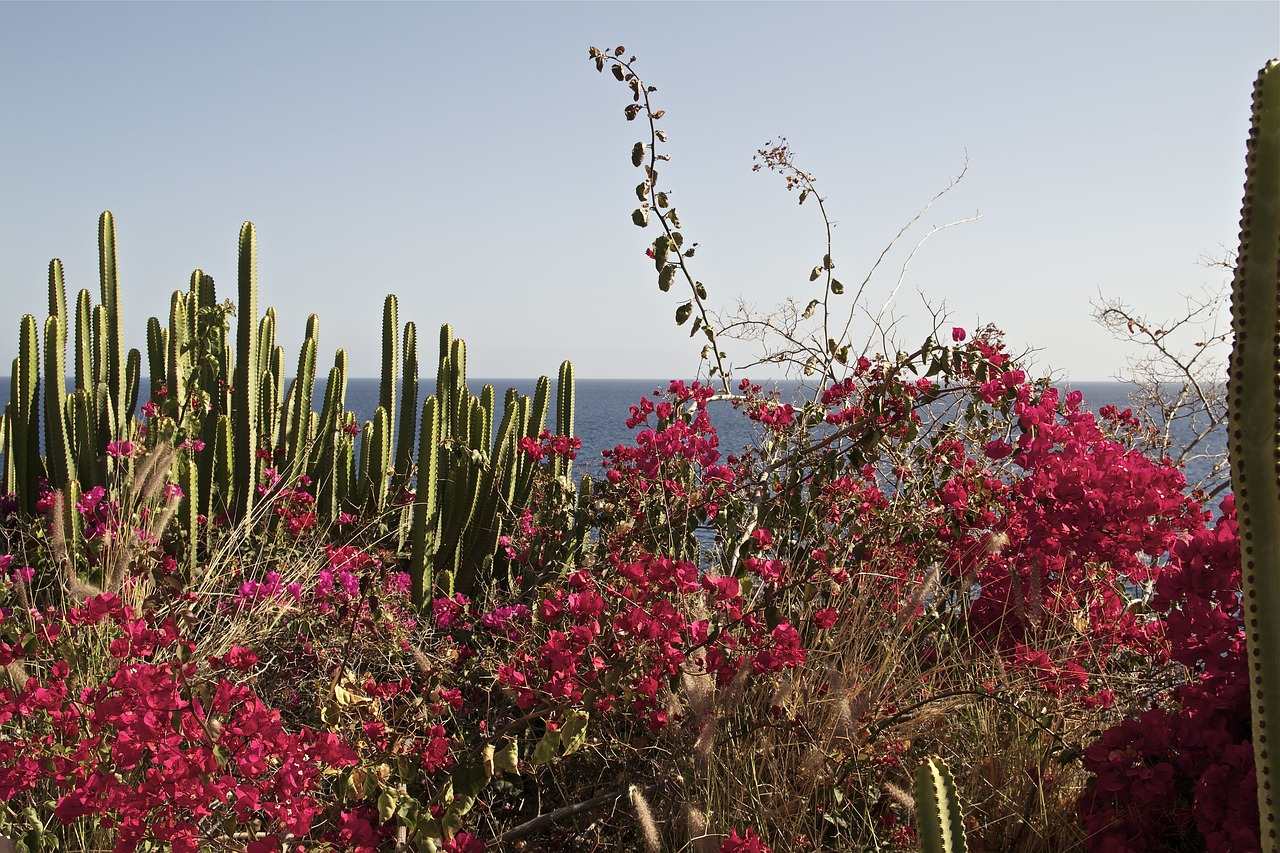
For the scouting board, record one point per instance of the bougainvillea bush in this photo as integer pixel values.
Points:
(737, 649)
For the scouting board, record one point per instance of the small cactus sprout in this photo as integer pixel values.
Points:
(939, 817)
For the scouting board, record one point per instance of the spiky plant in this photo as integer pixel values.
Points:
(1254, 403)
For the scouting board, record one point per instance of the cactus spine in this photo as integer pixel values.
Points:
(244, 401)
(939, 816)
(1254, 402)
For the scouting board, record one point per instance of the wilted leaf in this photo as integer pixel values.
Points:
(814, 273)
(683, 312)
(836, 287)
(640, 217)
(666, 276)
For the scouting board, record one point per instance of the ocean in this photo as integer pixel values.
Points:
(601, 410)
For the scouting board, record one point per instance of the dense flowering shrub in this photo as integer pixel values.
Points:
(924, 531)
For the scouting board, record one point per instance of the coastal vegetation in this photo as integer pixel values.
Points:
(936, 603)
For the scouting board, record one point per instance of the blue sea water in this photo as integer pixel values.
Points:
(601, 410)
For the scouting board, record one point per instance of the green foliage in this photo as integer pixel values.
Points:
(939, 816)
(244, 399)
(1254, 400)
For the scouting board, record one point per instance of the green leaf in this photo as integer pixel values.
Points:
(546, 748)
(386, 806)
(506, 759)
(573, 734)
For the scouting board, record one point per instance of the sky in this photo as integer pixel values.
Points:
(469, 159)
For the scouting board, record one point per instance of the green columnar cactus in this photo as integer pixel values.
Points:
(224, 459)
(324, 460)
(132, 380)
(377, 461)
(564, 414)
(25, 391)
(189, 511)
(296, 448)
(157, 355)
(346, 476)
(939, 816)
(58, 300)
(178, 355)
(444, 378)
(426, 505)
(408, 402)
(267, 407)
(390, 354)
(57, 442)
(8, 476)
(84, 340)
(267, 339)
(244, 402)
(109, 277)
(1254, 401)
(90, 469)
(100, 337)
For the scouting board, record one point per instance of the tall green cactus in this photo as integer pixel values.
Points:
(939, 816)
(114, 348)
(244, 401)
(84, 340)
(408, 401)
(25, 390)
(564, 414)
(157, 355)
(390, 356)
(57, 441)
(1254, 406)
(177, 363)
(426, 507)
(58, 299)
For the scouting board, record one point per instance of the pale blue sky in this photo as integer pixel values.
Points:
(469, 159)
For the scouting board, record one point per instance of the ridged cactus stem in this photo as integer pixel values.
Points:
(390, 355)
(157, 355)
(939, 816)
(1254, 407)
(426, 508)
(26, 395)
(408, 402)
(178, 352)
(57, 440)
(244, 403)
(84, 340)
(58, 300)
(564, 414)
(109, 277)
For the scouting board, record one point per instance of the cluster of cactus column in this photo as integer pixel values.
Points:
(1254, 446)
(441, 486)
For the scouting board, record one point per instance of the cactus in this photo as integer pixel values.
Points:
(84, 340)
(157, 355)
(132, 380)
(1254, 401)
(939, 816)
(244, 402)
(25, 390)
(57, 440)
(58, 300)
(113, 347)
(426, 507)
(564, 415)
(390, 355)
(189, 511)
(408, 401)
(224, 458)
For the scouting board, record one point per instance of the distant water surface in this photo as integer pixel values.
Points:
(601, 409)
